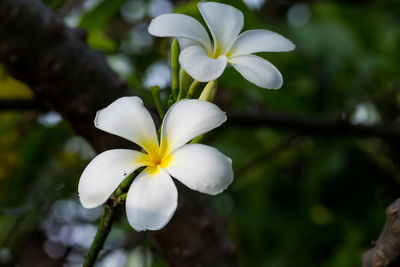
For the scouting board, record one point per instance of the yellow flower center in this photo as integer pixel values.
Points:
(159, 157)
(216, 53)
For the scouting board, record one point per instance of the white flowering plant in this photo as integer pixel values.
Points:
(152, 196)
(206, 61)
(142, 180)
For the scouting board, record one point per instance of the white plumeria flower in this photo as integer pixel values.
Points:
(152, 197)
(205, 62)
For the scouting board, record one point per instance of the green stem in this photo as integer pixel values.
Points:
(103, 230)
(106, 222)
(184, 83)
(123, 187)
(171, 100)
(155, 91)
(122, 198)
(198, 139)
(175, 50)
(193, 88)
(209, 91)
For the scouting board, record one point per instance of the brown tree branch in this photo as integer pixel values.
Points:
(74, 80)
(386, 251)
(21, 104)
(304, 124)
(314, 125)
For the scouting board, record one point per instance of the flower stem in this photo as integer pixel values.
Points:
(123, 187)
(184, 83)
(193, 88)
(122, 198)
(106, 221)
(209, 91)
(175, 50)
(103, 230)
(198, 139)
(155, 91)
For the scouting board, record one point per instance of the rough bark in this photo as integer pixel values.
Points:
(386, 251)
(74, 80)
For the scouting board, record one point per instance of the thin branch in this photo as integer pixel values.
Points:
(21, 104)
(106, 221)
(103, 230)
(305, 124)
(314, 125)
(386, 251)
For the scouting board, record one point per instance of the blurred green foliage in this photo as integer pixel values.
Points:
(297, 200)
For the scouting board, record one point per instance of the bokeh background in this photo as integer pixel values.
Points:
(315, 199)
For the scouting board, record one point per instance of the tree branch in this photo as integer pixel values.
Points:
(65, 74)
(386, 251)
(304, 124)
(103, 230)
(37, 48)
(314, 125)
(21, 104)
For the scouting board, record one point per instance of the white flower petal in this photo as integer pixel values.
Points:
(224, 21)
(260, 41)
(152, 200)
(127, 117)
(104, 174)
(180, 26)
(198, 64)
(258, 71)
(187, 119)
(201, 168)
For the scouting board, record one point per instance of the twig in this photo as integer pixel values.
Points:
(386, 251)
(103, 230)
(314, 125)
(305, 124)
(21, 104)
(107, 219)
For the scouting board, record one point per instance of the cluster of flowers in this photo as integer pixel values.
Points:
(152, 197)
